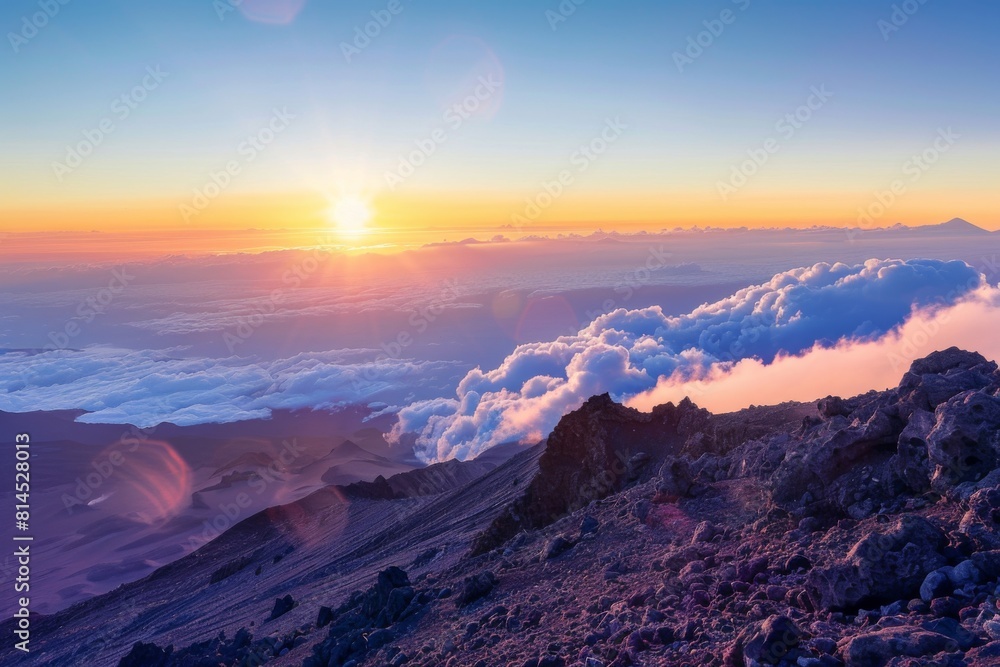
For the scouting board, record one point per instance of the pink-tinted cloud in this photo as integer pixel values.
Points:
(627, 352)
(846, 369)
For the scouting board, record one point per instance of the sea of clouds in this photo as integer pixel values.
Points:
(157, 352)
(646, 357)
(148, 387)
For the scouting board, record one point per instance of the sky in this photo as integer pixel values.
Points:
(220, 210)
(283, 114)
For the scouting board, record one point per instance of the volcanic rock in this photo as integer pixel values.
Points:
(882, 567)
(476, 587)
(281, 606)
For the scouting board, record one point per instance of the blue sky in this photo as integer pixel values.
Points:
(354, 119)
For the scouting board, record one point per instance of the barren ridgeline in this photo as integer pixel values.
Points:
(853, 531)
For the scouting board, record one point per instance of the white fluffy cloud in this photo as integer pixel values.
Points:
(627, 352)
(147, 387)
(970, 324)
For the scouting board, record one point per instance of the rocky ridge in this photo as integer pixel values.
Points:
(858, 532)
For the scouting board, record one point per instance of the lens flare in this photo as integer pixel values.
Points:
(275, 12)
(146, 481)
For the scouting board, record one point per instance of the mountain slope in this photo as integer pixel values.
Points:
(958, 226)
(849, 532)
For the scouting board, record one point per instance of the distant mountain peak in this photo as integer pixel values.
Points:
(960, 226)
(351, 449)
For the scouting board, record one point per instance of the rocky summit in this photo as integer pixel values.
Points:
(859, 531)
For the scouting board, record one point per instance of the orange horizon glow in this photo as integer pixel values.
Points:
(477, 211)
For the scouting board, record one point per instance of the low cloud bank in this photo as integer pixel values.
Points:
(846, 369)
(646, 357)
(147, 387)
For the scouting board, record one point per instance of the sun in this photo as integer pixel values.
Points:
(350, 215)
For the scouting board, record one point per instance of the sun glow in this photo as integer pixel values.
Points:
(350, 215)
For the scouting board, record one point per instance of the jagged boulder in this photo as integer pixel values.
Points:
(147, 655)
(593, 452)
(281, 607)
(830, 464)
(911, 464)
(964, 445)
(556, 547)
(369, 620)
(833, 406)
(942, 375)
(984, 656)
(378, 596)
(982, 522)
(675, 478)
(882, 567)
(636, 465)
(239, 650)
(933, 431)
(774, 642)
(399, 599)
(476, 588)
(877, 648)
